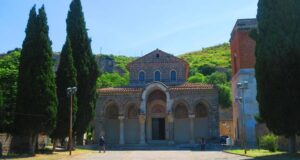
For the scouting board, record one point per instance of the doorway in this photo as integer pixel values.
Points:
(158, 128)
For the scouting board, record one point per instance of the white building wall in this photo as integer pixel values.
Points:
(250, 104)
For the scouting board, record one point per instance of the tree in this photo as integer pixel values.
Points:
(111, 80)
(277, 66)
(225, 97)
(9, 65)
(65, 77)
(86, 66)
(36, 94)
(216, 78)
(207, 69)
(197, 78)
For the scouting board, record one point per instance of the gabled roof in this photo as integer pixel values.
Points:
(161, 53)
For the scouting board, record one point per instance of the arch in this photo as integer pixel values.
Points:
(142, 76)
(112, 111)
(112, 124)
(131, 111)
(181, 101)
(201, 110)
(181, 111)
(157, 75)
(173, 75)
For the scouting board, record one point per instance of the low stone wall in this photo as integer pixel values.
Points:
(261, 130)
(7, 141)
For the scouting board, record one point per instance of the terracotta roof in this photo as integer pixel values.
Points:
(119, 90)
(130, 90)
(192, 86)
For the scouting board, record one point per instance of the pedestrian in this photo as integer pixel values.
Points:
(101, 144)
(202, 144)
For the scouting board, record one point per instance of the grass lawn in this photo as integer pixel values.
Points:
(265, 154)
(59, 155)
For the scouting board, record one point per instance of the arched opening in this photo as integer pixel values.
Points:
(131, 124)
(181, 124)
(157, 76)
(173, 76)
(201, 121)
(112, 126)
(156, 115)
(142, 76)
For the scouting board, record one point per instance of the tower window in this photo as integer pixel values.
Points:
(157, 76)
(173, 76)
(157, 55)
(142, 76)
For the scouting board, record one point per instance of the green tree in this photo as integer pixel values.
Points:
(225, 96)
(112, 80)
(65, 77)
(216, 78)
(197, 78)
(36, 98)
(9, 69)
(207, 69)
(277, 66)
(86, 66)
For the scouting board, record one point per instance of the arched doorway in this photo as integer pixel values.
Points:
(131, 125)
(112, 126)
(181, 124)
(156, 115)
(201, 121)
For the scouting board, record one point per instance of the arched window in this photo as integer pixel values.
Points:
(201, 111)
(142, 76)
(173, 76)
(157, 76)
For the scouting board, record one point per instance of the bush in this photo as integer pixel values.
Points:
(269, 142)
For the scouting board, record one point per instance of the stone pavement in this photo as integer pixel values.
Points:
(158, 155)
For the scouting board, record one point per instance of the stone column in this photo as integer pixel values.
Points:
(171, 128)
(142, 119)
(121, 140)
(192, 136)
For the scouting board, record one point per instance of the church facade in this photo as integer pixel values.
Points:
(158, 105)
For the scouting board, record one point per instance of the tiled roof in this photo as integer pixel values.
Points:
(118, 90)
(192, 86)
(130, 90)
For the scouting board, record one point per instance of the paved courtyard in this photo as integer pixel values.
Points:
(158, 155)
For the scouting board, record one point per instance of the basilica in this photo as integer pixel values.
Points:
(158, 105)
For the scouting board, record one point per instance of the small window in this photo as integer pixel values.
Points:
(157, 76)
(142, 76)
(173, 76)
(157, 55)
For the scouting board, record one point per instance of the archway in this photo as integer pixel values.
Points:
(181, 124)
(201, 121)
(112, 126)
(131, 124)
(156, 115)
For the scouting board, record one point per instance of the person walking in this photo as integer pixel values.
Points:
(101, 144)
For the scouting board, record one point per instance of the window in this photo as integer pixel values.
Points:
(173, 75)
(157, 76)
(142, 76)
(157, 55)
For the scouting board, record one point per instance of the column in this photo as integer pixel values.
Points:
(171, 128)
(142, 119)
(192, 136)
(121, 140)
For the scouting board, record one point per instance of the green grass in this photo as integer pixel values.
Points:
(265, 154)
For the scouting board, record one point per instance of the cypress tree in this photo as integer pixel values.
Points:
(65, 77)
(277, 66)
(36, 98)
(85, 64)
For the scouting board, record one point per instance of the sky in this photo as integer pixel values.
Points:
(132, 27)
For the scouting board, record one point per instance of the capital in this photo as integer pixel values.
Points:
(121, 117)
(192, 116)
(142, 118)
(170, 118)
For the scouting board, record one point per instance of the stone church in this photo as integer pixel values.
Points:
(157, 106)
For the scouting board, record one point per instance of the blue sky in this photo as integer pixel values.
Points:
(132, 27)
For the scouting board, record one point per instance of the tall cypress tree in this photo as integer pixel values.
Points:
(85, 64)
(65, 77)
(277, 66)
(36, 99)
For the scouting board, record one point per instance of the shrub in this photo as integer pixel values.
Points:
(269, 142)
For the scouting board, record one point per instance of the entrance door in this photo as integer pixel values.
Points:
(158, 128)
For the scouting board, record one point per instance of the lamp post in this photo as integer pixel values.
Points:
(71, 91)
(243, 86)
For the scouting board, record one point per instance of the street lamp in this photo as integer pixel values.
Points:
(243, 86)
(70, 92)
